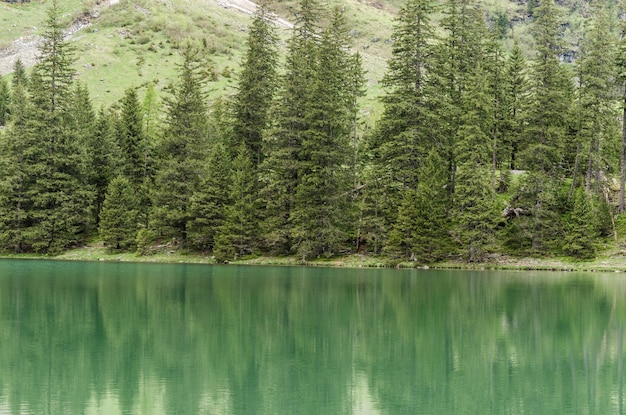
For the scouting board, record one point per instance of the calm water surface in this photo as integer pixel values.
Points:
(105, 338)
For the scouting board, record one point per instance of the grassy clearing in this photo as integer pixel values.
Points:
(25, 19)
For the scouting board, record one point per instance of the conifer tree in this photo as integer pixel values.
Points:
(322, 201)
(19, 75)
(238, 234)
(421, 232)
(581, 227)
(257, 83)
(58, 200)
(474, 196)
(458, 56)
(5, 102)
(119, 214)
(406, 130)
(597, 115)
(551, 94)
(102, 158)
(131, 139)
(516, 87)
(182, 149)
(14, 204)
(207, 204)
(282, 168)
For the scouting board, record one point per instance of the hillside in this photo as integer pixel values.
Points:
(139, 39)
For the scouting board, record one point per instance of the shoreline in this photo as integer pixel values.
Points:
(612, 264)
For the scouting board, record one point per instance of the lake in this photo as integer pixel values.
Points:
(119, 338)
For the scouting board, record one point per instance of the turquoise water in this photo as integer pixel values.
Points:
(113, 338)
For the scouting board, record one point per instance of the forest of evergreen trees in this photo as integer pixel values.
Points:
(478, 149)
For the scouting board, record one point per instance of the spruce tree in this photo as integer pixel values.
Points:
(59, 201)
(281, 171)
(257, 84)
(516, 87)
(474, 196)
(597, 115)
(322, 192)
(14, 204)
(5, 102)
(238, 234)
(551, 94)
(102, 158)
(182, 149)
(131, 139)
(119, 214)
(208, 203)
(421, 232)
(579, 240)
(19, 75)
(406, 130)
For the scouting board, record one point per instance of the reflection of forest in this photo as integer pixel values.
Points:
(140, 339)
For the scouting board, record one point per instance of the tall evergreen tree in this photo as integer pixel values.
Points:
(582, 229)
(281, 170)
(13, 178)
(406, 130)
(5, 102)
(182, 149)
(257, 83)
(19, 74)
(209, 201)
(238, 234)
(322, 190)
(596, 73)
(621, 80)
(56, 199)
(421, 231)
(474, 196)
(551, 94)
(119, 214)
(458, 55)
(131, 139)
(516, 87)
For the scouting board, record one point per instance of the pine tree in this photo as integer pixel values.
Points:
(182, 149)
(19, 75)
(101, 158)
(131, 139)
(597, 115)
(551, 94)
(14, 204)
(209, 201)
(257, 83)
(321, 199)
(5, 102)
(238, 234)
(582, 229)
(281, 171)
(457, 58)
(421, 231)
(516, 87)
(119, 215)
(406, 130)
(57, 199)
(474, 196)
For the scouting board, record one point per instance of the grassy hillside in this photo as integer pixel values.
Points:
(134, 42)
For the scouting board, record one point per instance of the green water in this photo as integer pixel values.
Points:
(104, 338)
